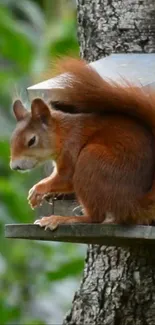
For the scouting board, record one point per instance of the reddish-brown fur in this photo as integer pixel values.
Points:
(87, 92)
(104, 148)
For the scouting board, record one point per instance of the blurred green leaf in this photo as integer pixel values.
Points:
(32, 33)
(20, 49)
(33, 13)
(65, 270)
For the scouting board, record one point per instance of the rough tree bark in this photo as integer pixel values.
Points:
(106, 26)
(118, 285)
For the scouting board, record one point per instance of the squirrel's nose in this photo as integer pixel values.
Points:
(16, 168)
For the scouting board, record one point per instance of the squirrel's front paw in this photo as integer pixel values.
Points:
(35, 196)
(50, 222)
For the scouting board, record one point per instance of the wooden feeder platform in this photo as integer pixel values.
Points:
(109, 235)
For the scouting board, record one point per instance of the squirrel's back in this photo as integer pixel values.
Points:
(125, 139)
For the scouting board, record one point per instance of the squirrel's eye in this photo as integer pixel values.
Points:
(31, 141)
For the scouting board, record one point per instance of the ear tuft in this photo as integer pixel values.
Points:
(39, 109)
(19, 110)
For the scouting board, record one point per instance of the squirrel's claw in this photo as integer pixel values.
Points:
(51, 222)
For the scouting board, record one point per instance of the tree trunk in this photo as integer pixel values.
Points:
(106, 26)
(118, 285)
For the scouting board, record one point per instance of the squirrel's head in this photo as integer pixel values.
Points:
(32, 141)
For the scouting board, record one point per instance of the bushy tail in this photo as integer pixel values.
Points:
(86, 92)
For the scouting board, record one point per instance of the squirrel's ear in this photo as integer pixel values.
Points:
(19, 110)
(40, 110)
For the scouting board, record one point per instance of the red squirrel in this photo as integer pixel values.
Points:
(101, 136)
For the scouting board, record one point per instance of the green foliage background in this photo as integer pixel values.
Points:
(37, 279)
